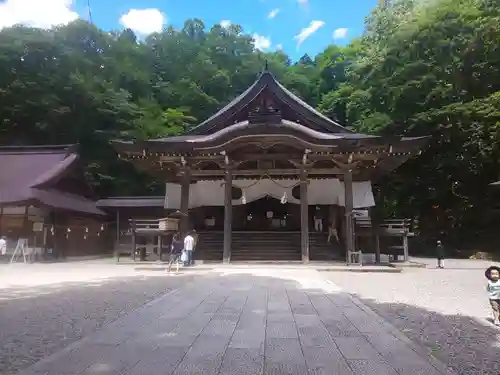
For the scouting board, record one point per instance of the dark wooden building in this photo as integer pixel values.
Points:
(45, 198)
(259, 176)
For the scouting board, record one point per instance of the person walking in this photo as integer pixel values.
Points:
(493, 290)
(175, 252)
(440, 254)
(188, 248)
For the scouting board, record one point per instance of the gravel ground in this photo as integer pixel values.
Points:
(444, 310)
(43, 308)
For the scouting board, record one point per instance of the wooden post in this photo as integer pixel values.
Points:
(1, 220)
(228, 216)
(377, 248)
(118, 225)
(349, 203)
(184, 221)
(406, 256)
(134, 238)
(117, 244)
(304, 217)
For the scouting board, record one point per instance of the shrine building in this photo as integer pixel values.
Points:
(267, 177)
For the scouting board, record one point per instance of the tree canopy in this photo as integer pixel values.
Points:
(420, 68)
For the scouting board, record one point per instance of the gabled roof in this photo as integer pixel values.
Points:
(28, 175)
(267, 81)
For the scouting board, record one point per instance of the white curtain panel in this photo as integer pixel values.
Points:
(327, 191)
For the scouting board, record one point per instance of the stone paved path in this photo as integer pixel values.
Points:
(279, 322)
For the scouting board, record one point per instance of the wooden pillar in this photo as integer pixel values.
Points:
(228, 216)
(377, 247)
(304, 217)
(117, 243)
(184, 221)
(134, 238)
(118, 226)
(406, 256)
(349, 224)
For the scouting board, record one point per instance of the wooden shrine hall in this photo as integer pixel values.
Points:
(268, 163)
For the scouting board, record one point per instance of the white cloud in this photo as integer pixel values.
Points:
(144, 21)
(36, 13)
(261, 42)
(279, 47)
(308, 31)
(273, 13)
(340, 33)
(225, 23)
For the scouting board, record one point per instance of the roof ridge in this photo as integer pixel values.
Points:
(68, 148)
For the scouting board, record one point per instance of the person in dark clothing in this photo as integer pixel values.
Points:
(440, 254)
(175, 251)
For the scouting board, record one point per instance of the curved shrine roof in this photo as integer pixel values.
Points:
(247, 130)
(29, 176)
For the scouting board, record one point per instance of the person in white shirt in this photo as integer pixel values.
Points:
(188, 248)
(493, 290)
(3, 246)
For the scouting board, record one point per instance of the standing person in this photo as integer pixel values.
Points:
(3, 245)
(188, 248)
(175, 251)
(195, 246)
(493, 290)
(318, 220)
(440, 254)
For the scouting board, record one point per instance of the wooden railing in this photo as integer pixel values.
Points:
(389, 227)
(365, 227)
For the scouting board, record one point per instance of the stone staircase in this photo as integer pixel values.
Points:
(266, 246)
(321, 250)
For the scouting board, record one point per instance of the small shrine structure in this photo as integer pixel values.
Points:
(268, 142)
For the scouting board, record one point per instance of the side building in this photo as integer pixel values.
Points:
(45, 199)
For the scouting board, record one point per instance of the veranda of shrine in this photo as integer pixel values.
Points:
(269, 137)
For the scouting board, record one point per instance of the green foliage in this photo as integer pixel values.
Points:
(422, 67)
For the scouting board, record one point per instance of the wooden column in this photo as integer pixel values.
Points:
(116, 247)
(304, 217)
(184, 221)
(228, 216)
(406, 256)
(377, 248)
(349, 224)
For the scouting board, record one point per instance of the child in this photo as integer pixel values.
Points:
(440, 254)
(493, 289)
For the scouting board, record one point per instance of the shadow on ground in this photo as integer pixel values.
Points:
(36, 321)
(466, 344)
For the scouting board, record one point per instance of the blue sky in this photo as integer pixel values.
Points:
(275, 23)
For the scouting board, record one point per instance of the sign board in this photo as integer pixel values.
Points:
(37, 227)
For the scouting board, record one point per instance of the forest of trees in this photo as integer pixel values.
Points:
(420, 68)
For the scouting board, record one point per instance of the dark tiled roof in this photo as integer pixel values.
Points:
(131, 202)
(267, 81)
(28, 175)
(188, 143)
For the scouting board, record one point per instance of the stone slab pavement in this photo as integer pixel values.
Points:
(246, 322)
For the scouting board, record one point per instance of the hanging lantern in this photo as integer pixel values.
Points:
(84, 236)
(52, 230)
(68, 230)
(102, 227)
(86, 230)
(284, 198)
(243, 199)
